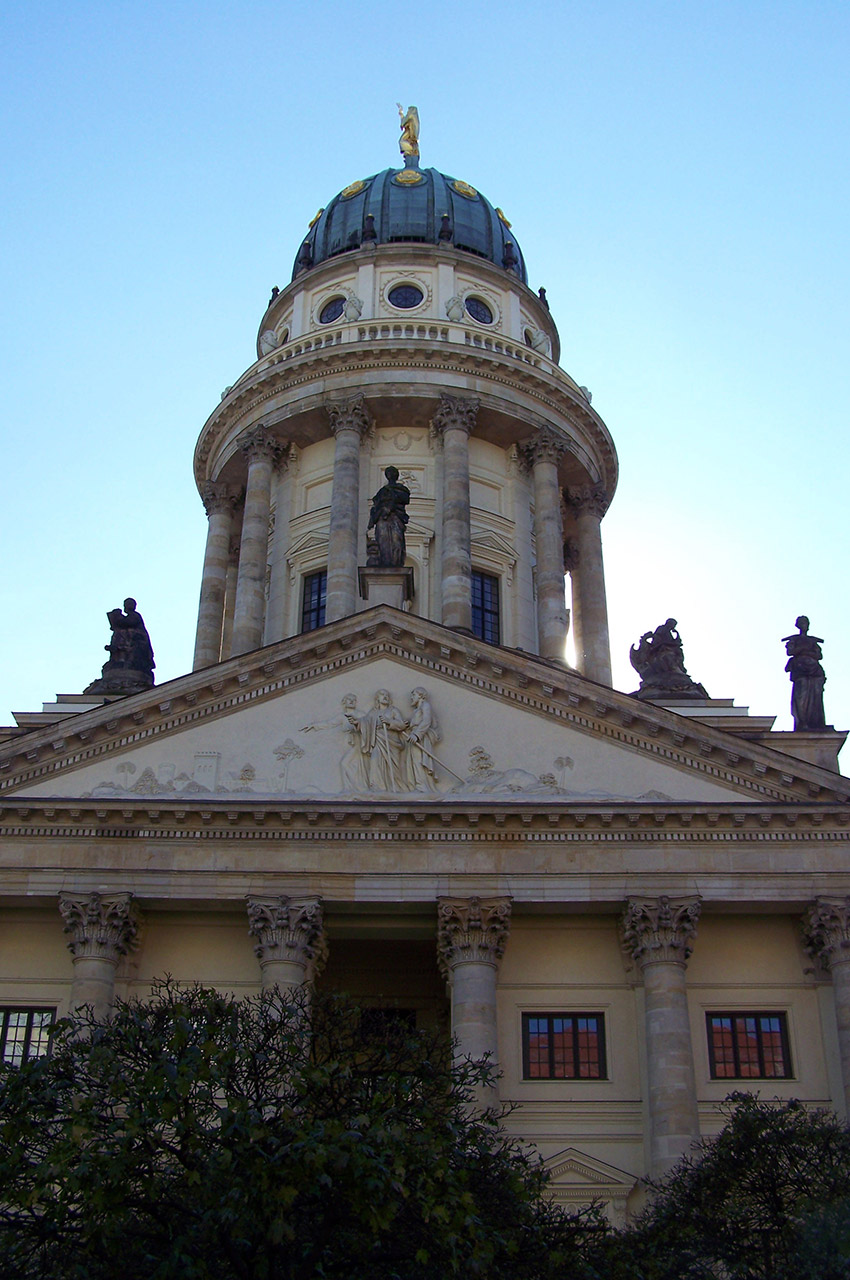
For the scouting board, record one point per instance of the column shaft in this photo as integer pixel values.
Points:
(657, 933)
(262, 451)
(219, 505)
(229, 599)
(552, 620)
(826, 929)
(349, 422)
(590, 608)
(455, 420)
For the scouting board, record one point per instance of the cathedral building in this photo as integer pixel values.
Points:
(383, 777)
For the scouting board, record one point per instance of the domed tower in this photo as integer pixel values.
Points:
(408, 338)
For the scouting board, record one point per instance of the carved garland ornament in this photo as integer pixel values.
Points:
(101, 926)
(660, 930)
(471, 930)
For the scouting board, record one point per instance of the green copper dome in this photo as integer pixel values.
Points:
(411, 205)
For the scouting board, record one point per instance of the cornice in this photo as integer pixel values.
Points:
(551, 391)
(543, 687)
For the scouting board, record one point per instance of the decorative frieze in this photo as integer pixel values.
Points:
(100, 926)
(660, 930)
(471, 930)
(288, 930)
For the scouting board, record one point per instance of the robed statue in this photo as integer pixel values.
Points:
(807, 677)
(409, 141)
(388, 519)
(659, 660)
(130, 666)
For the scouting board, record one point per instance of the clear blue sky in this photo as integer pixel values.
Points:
(677, 176)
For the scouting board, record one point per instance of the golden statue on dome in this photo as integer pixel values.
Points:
(409, 140)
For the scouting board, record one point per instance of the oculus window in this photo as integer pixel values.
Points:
(748, 1046)
(479, 310)
(24, 1033)
(405, 296)
(313, 598)
(485, 607)
(331, 311)
(563, 1046)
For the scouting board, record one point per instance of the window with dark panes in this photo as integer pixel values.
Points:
(485, 607)
(313, 600)
(748, 1046)
(563, 1046)
(24, 1033)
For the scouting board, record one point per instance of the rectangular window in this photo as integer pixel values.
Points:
(485, 607)
(24, 1033)
(563, 1046)
(313, 600)
(748, 1046)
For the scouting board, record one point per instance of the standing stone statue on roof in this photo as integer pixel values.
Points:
(388, 518)
(659, 660)
(409, 140)
(129, 668)
(807, 678)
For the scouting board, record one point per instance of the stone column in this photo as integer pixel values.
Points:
(262, 451)
(590, 608)
(454, 421)
(102, 928)
(543, 452)
(290, 942)
(229, 599)
(471, 938)
(350, 420)
(826, 929)
(219, 502)
(657, 934)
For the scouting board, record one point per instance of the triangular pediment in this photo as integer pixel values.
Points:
(298, 721)
(576, 1177)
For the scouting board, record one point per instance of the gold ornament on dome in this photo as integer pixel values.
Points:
(352, 189)
(503, 218)
(316, 217)
(408, 143)
(464, 189)
(408, 177)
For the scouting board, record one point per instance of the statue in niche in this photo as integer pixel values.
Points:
(421, 736)
(659, 660)
(409, 141)
(388, 518)
(807, 678)
(353, 765)
(129, 668)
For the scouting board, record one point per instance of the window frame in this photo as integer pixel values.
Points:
(314, 613)
(760, 1015)
(573, 1017)
(32, 1012)
(486, 612)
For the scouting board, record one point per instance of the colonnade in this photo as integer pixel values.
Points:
(472, 933)
(232, 596)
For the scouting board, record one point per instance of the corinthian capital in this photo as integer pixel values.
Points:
(660, 930)
(826, 930)
(217, 496)
(350, 415)
(101, 926)
(545, 445)
(259, 442)
(287, 929)
(588, 499)
(455, 413)
(471, 930)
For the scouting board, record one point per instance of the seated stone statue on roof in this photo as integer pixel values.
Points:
(131, 663)
(659, 660)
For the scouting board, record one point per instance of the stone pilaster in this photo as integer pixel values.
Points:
(290, 941)
(590, 606)
(544, 451)
(350, 421)
(826, 931)
(219, 502)
(471, 938)
(263, 452)
(657, 934)
(454, 422)
(102, 928)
